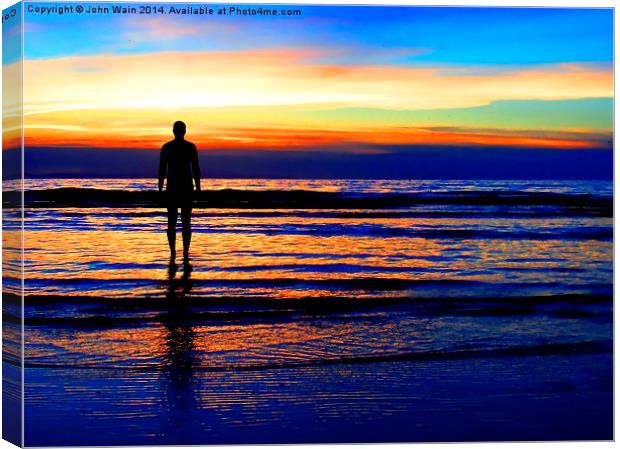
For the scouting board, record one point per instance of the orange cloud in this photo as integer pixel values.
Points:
(291, 139)
(280, 77)
(166, 29)
(11, 106)
(130, 100)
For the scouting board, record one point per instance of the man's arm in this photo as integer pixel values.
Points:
(163, 161)
(196, 168)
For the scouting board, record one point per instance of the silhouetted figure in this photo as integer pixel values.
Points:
(178, 163)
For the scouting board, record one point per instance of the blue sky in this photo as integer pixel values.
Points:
(443, 35)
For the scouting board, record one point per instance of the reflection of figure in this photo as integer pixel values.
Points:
(178, 289)
(176, 318)
(179, 163)
(178, 378)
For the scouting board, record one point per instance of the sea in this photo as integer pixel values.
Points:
(308, 277)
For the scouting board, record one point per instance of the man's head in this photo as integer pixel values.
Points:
(178, 129)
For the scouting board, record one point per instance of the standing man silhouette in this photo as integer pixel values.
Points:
(178, 162)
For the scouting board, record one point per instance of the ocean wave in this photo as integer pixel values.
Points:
(306, 199)
(583, 347)
(93, 312)
(345, 312)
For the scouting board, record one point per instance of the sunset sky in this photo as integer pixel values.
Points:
(337, 79)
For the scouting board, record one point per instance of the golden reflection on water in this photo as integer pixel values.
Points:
(115, 255)
(122, 252)
(179, 344)
(12, 271)
(176, 340)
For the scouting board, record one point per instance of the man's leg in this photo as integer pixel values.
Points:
(173, 214)
(186, 220)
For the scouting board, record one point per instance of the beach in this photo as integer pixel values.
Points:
(317, 311)
(525, 398)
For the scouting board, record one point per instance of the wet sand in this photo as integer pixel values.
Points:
(503, 398)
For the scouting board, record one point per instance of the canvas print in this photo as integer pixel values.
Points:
(293, 223)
